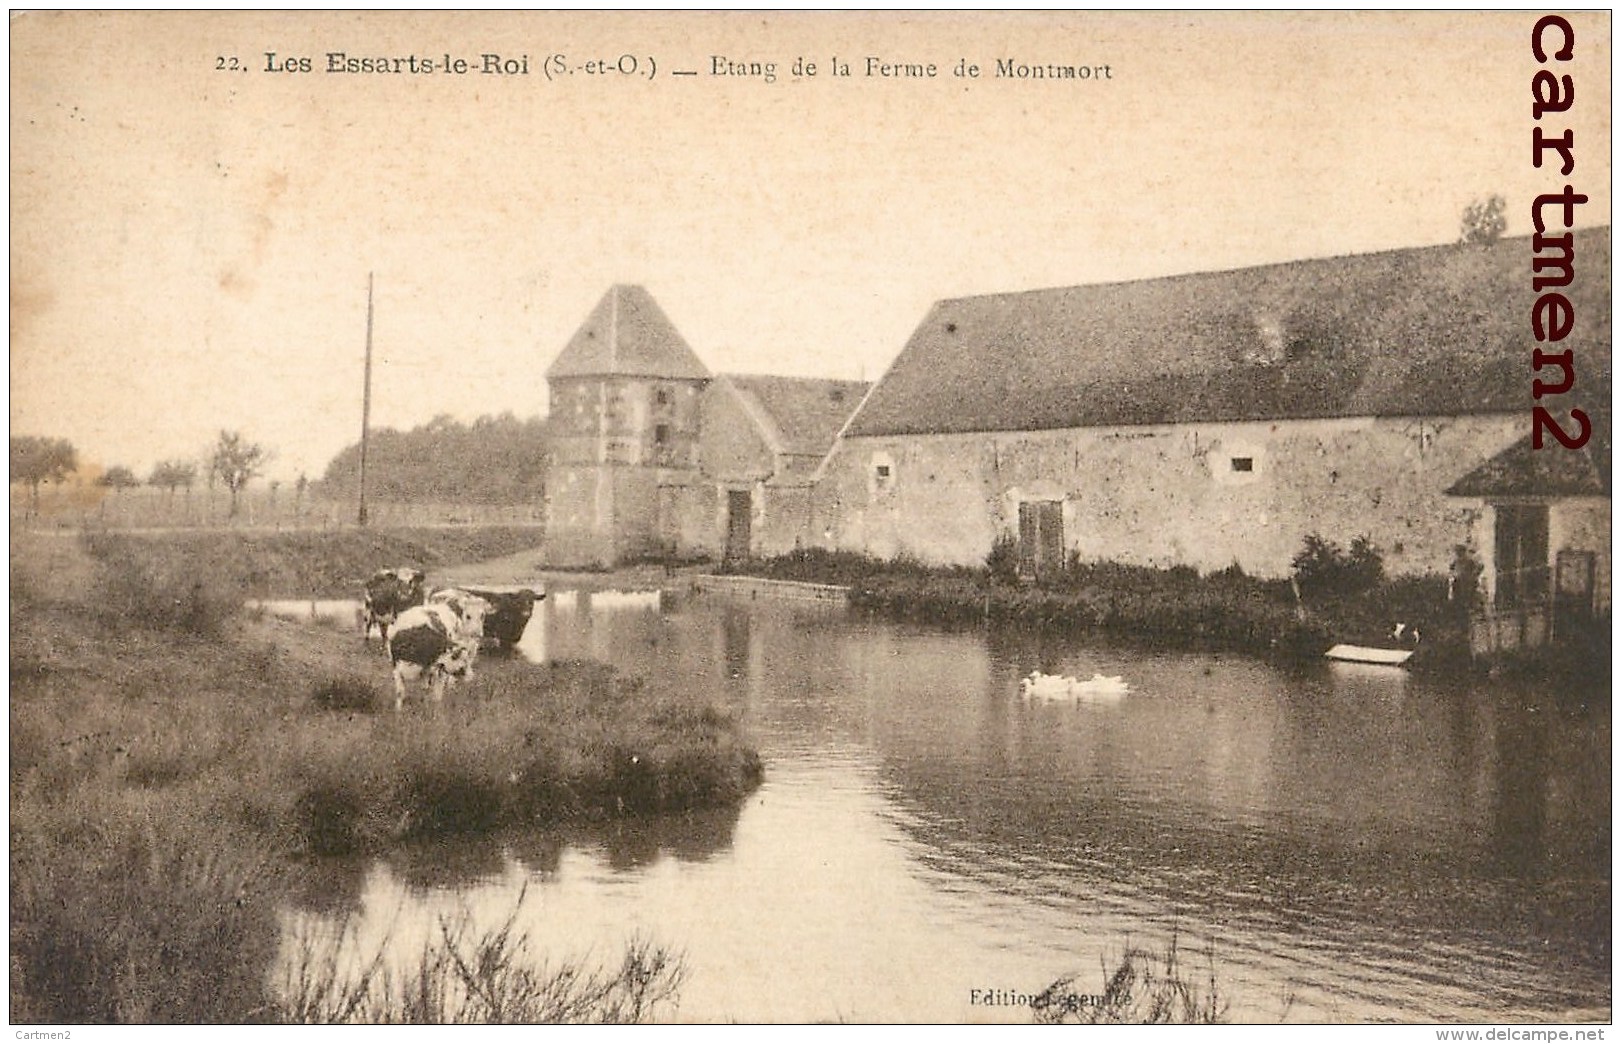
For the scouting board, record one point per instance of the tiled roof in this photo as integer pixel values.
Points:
(1427, 331)
(1551, 471)
(627, 334)
(801, 415)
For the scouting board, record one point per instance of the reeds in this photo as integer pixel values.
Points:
(463, 975)
(1143, 987)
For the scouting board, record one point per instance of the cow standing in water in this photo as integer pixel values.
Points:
(437, 642)
(509, 612)
(389, 593)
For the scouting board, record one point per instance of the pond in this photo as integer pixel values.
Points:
(1332, 843)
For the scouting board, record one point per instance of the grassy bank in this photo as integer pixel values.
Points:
(1176, 607)
(174, 761)
(306, 563)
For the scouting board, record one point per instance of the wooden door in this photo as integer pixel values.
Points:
(1522, 555)
(1041, 538)
(739, 516)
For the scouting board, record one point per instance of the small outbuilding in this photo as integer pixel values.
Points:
(1544, 516)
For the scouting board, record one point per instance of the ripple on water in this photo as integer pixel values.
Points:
(1334, 849)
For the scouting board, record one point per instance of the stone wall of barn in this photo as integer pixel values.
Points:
(785, 518)
(1205, 495)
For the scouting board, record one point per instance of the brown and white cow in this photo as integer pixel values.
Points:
(390, 592)
(437, 642)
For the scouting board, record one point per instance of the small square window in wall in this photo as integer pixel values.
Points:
(662, 397)
(661, 434)
(881, 474)
(1243, 463)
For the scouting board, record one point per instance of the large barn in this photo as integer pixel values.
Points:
(1218, 418)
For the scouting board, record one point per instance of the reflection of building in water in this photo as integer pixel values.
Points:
(1520, 799)
(734, 629)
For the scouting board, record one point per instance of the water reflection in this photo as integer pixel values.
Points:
(1355, 843)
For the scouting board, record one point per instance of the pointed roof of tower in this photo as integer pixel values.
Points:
(627, 334)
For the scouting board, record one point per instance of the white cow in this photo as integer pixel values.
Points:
(437, 642)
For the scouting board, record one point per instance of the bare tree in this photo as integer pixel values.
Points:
(235, 462)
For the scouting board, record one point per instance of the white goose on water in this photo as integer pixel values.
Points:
(1062, 687)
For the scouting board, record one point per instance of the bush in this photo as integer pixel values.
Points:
(1003, 560)
(1322, 569)
(1364, 566)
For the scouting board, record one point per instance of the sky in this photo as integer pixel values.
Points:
(192, 234)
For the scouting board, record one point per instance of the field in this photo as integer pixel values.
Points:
(176, 762)
(79, 505)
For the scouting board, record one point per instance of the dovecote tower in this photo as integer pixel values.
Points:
(624, 422)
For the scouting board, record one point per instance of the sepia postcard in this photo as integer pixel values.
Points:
(788, 517)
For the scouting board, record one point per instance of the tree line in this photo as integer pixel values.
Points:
(494, 460)
(232, 461)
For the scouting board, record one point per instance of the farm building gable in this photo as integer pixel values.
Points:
(798, 415)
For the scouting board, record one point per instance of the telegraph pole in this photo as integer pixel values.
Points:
(365, 402)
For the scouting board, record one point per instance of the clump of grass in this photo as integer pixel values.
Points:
(130, 917)
(346, 692)
(131, 588)
(466, 977)
(1145, 987)
(576, 741)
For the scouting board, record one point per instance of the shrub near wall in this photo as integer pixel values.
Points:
(1176, 606)
(1344, 598)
